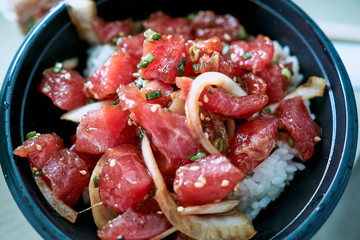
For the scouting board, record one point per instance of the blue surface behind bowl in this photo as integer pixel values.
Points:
(300, 210)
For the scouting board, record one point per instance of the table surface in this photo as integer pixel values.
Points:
(339, 20)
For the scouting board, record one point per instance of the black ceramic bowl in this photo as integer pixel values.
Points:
(304, 205)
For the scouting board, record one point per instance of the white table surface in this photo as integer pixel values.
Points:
(339, 19)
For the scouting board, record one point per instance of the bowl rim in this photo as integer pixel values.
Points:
(49, 231)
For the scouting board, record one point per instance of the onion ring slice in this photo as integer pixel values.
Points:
(58, 205)
(101, 214)
(212, 208)
(76, 114)
(192, 103)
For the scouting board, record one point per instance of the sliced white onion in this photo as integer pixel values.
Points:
(164, 234)
(81, 13)
(192, 103)
(101, 214)
(177, 106)
(212, 208)
(76, 114)
(71, 62)
(314, 87)
(59, 206)
(232, 225)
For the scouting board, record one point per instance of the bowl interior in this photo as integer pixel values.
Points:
(302, 207)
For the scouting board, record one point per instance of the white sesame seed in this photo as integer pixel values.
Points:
(227, 36)
(225, 183)
(194, 168)
(112, 163)
(206, 99)
(237, 187)
(38, 147)
(201, 104)
(154, 108)
(202, 117)
(199, 184)
(202, 180)
(180, 209)
(317, 139)
(207, 119)
(67, 76)
(159, 212)
(129, 122)
(45, 90)
(83, 172)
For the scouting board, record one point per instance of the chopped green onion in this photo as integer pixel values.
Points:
(290, 141)
(37, 172)
(146, 60)
(96, 181)
(209, 90)
(191, 16)
(121, 237)
(194, 53)
(140, 82)
(29, 24)
(151, 35)
(285, 72)
(219, 144)
(114, 40)
(141, 134)
(197, 156)
(196, 67)
(153, 95)
(116, 101)
(31, 135)
(242, 33)
(266, 110)
(226, 49)
(247, 55)
(57, 67)
(91, 100)
(181, 67)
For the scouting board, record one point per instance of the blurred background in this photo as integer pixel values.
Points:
(340, 20)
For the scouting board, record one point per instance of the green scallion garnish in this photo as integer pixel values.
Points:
(219, 144)
(290, 141)
(96, 181)
(146, 60)
(31, 135)
(153, 95)
(181, 67)
(197, 156)
(57, 67)
(140, 82)
(37, 172)
(247, 55)
(226, 49)
(242, 33)
(116, 101)
(209, 90)
(285, 72)
(194, 53)
(121, 237)
(151, 35)
(191, 16)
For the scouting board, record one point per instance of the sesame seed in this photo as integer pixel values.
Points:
(194, 168)
(154, 108)
(38, 147)
(237, 187)
(207, 119)
(83, 172)
(199, 184)
(159, 212)
(206, 99)
(202, 180)
(180, 209)
(67, 76)
(112, 163)
(201, 104)
(202, 117)
(129, 122)
(227, 36)
(317, 139)
(45, 90)
(225, 183)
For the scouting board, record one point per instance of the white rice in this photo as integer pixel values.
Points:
(97, 56)
(265, 183)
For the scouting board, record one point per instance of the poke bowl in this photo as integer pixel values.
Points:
(306, 196)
